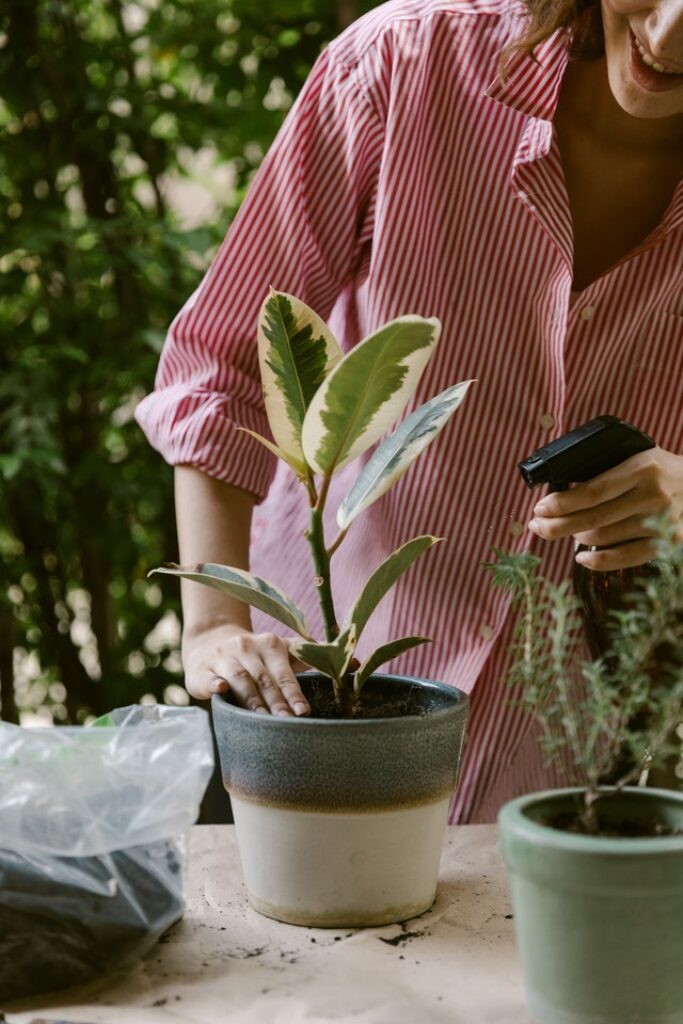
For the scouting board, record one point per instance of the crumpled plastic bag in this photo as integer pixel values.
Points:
(91, 841)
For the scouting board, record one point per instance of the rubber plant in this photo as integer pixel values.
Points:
(325, 409)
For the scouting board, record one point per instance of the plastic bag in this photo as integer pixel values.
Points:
(91, 851)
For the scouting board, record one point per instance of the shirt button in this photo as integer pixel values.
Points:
(516, 529)
(587, 312)
(547, 421)
(487, 633)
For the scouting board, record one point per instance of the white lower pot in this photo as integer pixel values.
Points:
(340, 823)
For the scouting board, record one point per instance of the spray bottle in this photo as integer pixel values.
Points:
(591, 449)
(580, 455)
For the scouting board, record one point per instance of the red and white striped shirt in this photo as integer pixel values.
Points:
(408, 179)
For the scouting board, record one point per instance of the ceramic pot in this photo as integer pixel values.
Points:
(340, 823)
(599, 920)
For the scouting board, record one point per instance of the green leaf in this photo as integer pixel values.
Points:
(367, 392)
(384, 578)
(296, 352)
(298, 467)
(398, 452)
(253, 590)
(331, 659)
(383, 654)
(10, 465)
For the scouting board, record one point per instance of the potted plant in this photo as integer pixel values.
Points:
(596, 872)
(340, 817)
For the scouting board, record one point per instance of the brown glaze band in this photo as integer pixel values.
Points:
(345, 765)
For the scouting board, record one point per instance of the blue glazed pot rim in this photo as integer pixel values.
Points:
(458, 708)
(516, 823)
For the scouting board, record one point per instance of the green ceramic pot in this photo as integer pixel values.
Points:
(599, 921)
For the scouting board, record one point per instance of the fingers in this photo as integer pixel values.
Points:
(647, 484)
(275, 656)
(626, 556)
(254, 668)
(646, 471)
(618, 533)
(617, 511)
(256, 687)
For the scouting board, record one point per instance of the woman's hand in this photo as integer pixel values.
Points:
(254, 667)
(608, 511)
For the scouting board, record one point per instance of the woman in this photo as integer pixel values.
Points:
(539, 214)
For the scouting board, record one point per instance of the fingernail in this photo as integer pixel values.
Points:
(262, 711)
(541, 509)
(218, 686)
(300, 708)
(534, 525)
(583, 558)
(282, 713)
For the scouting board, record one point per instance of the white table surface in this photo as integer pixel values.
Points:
(226, 964)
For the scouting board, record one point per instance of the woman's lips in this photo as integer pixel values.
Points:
(645, 76)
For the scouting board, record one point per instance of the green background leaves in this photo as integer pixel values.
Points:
(107, 110)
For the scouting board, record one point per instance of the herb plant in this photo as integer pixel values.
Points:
(591, 712)
(325, 409)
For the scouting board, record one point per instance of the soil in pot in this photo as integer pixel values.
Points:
(617, 829)
(378, 700)
(613, 821)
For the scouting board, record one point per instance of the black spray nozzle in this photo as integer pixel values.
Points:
(591, 449)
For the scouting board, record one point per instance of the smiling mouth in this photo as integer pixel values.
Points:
(651, 62)
(648, 73)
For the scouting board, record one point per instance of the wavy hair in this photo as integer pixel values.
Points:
(543, 17)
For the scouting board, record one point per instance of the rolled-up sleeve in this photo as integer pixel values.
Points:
(302, 229)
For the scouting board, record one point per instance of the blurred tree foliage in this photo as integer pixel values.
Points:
(102, 101)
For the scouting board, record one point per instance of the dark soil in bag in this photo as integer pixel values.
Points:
(67, 920)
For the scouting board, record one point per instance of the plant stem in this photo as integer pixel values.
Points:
(315, 536)
(561, 627)
(324, 490)
(333, 547)
(309, 483)
(667, 726)
(589, 817)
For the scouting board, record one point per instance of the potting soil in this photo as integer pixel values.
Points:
(67, 920)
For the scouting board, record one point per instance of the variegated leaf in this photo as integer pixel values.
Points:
(384, 577)
(383, 654)
(331, 659)
(298, 467)
(253, 590)
(398, 452)
(367, 392)
(296, 352)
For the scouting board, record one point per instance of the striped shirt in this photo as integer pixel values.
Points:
(408, 179)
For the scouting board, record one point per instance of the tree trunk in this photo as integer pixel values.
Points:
(8, 707)
(37, 535)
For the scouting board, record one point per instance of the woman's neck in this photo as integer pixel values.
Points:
(587, 103)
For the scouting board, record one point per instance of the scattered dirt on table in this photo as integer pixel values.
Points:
(404, 936)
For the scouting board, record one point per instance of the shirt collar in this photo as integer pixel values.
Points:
(532, 85)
